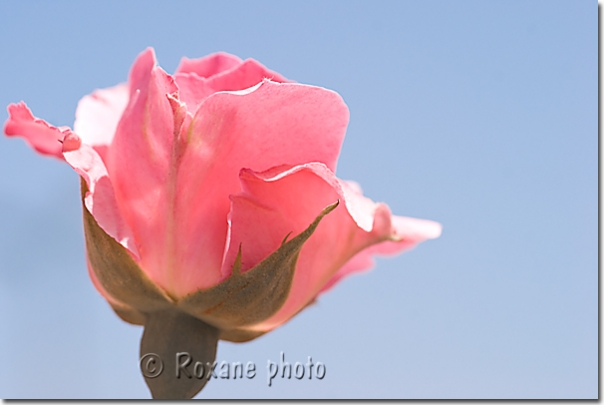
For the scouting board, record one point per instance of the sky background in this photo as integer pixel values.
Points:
(480, 115)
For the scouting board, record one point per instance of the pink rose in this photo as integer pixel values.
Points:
(222, 171)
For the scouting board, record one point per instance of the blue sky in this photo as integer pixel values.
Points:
(479, 115)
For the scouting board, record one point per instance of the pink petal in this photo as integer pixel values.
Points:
(245, 75)
(191, 76)
(409, 231)
(194, 88)
(141, 166)
(225, 72)
(100, 198)
(98, 114)
(266, 126)
(209, 65)
(275, 203)
(43, 137)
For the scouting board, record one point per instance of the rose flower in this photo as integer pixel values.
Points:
(211, 207)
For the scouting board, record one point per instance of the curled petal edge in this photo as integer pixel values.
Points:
(40, 135)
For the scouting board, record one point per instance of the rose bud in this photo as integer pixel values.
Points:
(211, 207)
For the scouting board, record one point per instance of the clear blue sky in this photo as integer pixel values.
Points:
(480, 115)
